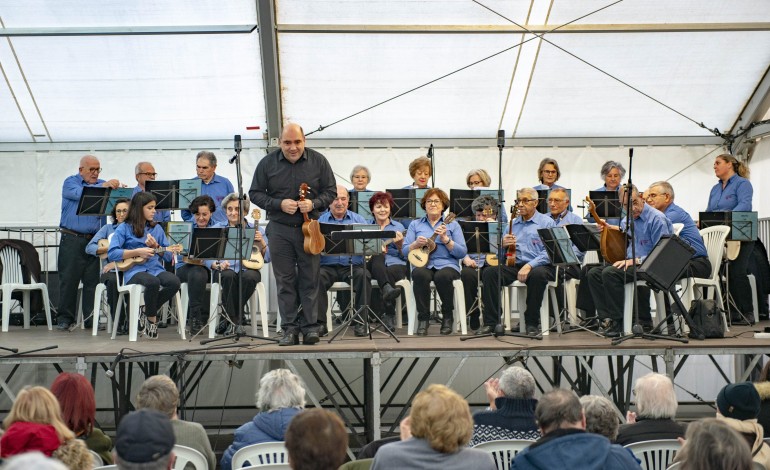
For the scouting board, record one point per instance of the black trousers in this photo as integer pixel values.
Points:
(229, 281)
(76, 266)
(196, 277)
(384, 275)
(607, 284)
(111, 282)
(739, 286)
(537, 280)
(296, 277)
(470, 286)
(442, 278)
(331, 274)
(157, 290)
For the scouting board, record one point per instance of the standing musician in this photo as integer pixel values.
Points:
(337, 268)
(143, 172)
(606, 283)
(360, 176)
(390, 266)
(420, 171)
(485, 209)
(228, 269)
(75, 265)
(733, 192)
(530, 254)
(139, 236)
(212, 184)
(548, 174)
(274, 187)
(443, 264)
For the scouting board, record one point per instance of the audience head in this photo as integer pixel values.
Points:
(74, 454)
(441, 417)
(712, 445)
(612, 173)
(517, 382)
(292, 142)
(559, 409)
(89, 169)
(205, 165)
(202, 207)
(485, 207)
(38, 405)
(360, 176)
(548, 172)
(420, 171)
(159, 393)
(726, 165)
(478, 178)
(145, 440)
(739, 401)
(34, 460)
(76, 399)
(601, 417)
(316, 440)
(280, 388)
(655, 397)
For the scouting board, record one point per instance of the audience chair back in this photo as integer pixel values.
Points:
(270, 466)
(13, 280)
(655, 455)
(503, 451)
(266, 453)
(106, 467)
(98, 462)
(185, 455)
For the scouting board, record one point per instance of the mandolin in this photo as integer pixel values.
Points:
(510, 255)
(129, 263)
(256, 261)
(311, 229)
(103, 243)
(419, 256)
(613, 242)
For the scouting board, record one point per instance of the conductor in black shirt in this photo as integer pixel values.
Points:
(275, 188)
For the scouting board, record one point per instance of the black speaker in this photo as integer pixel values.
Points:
(666, 262)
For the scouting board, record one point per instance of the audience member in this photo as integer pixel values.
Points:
(655, 412)
(145, 440)
(316, 440)
(711, 445)
(511, 413)
(34, 460)
(435, 435)
(601, 417)
(566, 444)
(738, 407)
(159, 393)
(763, 388)
(78, 408)
(280, 397)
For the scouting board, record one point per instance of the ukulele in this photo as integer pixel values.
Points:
(256, 261)
(129, 263)
(419, 256)
(613, 242)
(103, 243)
(510, 255)
(311, 229)
(491, 258)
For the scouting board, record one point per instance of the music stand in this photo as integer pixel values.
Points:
(359, 203)
(340, 248)
(461, 201)
(180, 233)
(93, 201)
(115, 194)
(364, 312)
(607, 204)
(174, 194)
(406, 203)
(479, 238)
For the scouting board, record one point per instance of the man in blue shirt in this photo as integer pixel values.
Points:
(607, 283)
(74, 264)
(218, 187)
(337, 268)
(144, 171)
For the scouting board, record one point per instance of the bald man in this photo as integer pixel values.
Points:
(144, 172)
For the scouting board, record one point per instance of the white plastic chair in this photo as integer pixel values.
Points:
(272, 466)
(338, 286)
(13, 281)
(266, 453)
(185, 455)
(503, 451)
(678, 228)
(655, 455)
(460, 322)
(98, 461)
(521, 305)
(106, 467)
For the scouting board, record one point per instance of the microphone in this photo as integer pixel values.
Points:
(501, 139)
(111, 371)
(630, 152)
(430, 152)
(237, 146)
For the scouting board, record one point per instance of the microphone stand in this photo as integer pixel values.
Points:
(432, 167)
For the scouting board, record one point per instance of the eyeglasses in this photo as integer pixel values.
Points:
(151, 175)
(551, 201)
(550, 172)
(433, 201)
(525, 201)
(121, 211)
(652, 196)
(93, 170)
(475, 183)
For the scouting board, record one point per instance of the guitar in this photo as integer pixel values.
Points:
(128, 263)
(103, 243)
(311, 229)
(256, 261)
(419, 256)
(510, 255)
(613, 242)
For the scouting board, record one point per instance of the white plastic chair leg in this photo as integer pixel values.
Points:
(460, 320)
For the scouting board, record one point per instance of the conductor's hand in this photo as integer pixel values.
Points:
(289, 206)
(305, 206)
(492, 387)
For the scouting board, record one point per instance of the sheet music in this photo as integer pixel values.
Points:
(231, 248)
(179, 233)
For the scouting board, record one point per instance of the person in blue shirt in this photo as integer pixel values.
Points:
(212, 184)
(74, 264)
(143, 172)
(108, 278)
(548, 174)
(420, 170)
(530, 254)
(473, 265)
(388, 267)
(337, 268)
(443, 265)
(360, 176)
(140, 236)
(606, 283)
(734, 192)
(478, 178)
(612, 173)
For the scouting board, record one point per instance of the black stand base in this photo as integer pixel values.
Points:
(364, 314)
(237, 336)
(500, 332)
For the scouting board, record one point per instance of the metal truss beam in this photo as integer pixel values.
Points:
(271, 77)
(756, 108)
(128, 30)
(506, 28)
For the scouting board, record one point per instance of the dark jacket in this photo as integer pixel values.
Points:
(30, 266)
(100, 443)
(764, 411)
(574, 449)
(267, 426)
(514, 418)
(649, 430)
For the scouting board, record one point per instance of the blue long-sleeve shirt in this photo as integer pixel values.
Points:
(441, 256)
(103, 234)
(71, 191)
(648, 228)
(217, 188)
(529, 247)
(393, 255)
(689, 233)
(160, 216)
(349, 218)
(124, 239)
(736, 195)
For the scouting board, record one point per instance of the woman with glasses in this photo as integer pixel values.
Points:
(443, 266)
(478, 179)
(548, 174)
(360, 176)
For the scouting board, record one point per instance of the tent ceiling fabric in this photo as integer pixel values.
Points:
(209, 86)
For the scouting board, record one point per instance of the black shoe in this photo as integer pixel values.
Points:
(323, 330)
(389, 322)
(475, 322)
(221, 328)
(64, 325)
(152, 330)
(359, 330)
(740, 321)
(122, 330)
(196, 326)
(310, 338)
(485, 330)
(612, 329)
(289, 339)
(162, 324)
(446, 326)
(646, 327)
(390, 294)
(422, 327)
(533, 330)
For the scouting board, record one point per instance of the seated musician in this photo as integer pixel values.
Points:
(140, 236)
(360, 176)
(485, 209)
(548, 174)
(606, 283)
(226, 271)
(194, 272)
(612, 173)
(337, 268)
(559, 206)
(530, 254)
(443, 265)
(144, 172)
(390, 266)
(420, 170)
(94, 248)
(478, 179)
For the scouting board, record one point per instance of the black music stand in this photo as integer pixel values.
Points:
(461, 201)
(93, 201)
(359, 203)
(115, 194)
(406, 202)
(607, 204)
(341, 247)
(364, 313)
(480, 238)
(174, 194)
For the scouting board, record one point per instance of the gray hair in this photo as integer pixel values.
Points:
(609, 165)
(138, 167)
(159, 393)
(234, 197)
(601, 417)
(667, 188)
(712, 444)
(655, 397)
(358, 168)
(529, 192)
(161, 464)
(558, 408)
(280, 388)
(482, 174)
(517, 382)
(208, 156)
(484, 201)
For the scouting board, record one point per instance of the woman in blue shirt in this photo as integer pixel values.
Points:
(141, 237)
(733, 192)
(548, 173)
(443, 265)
